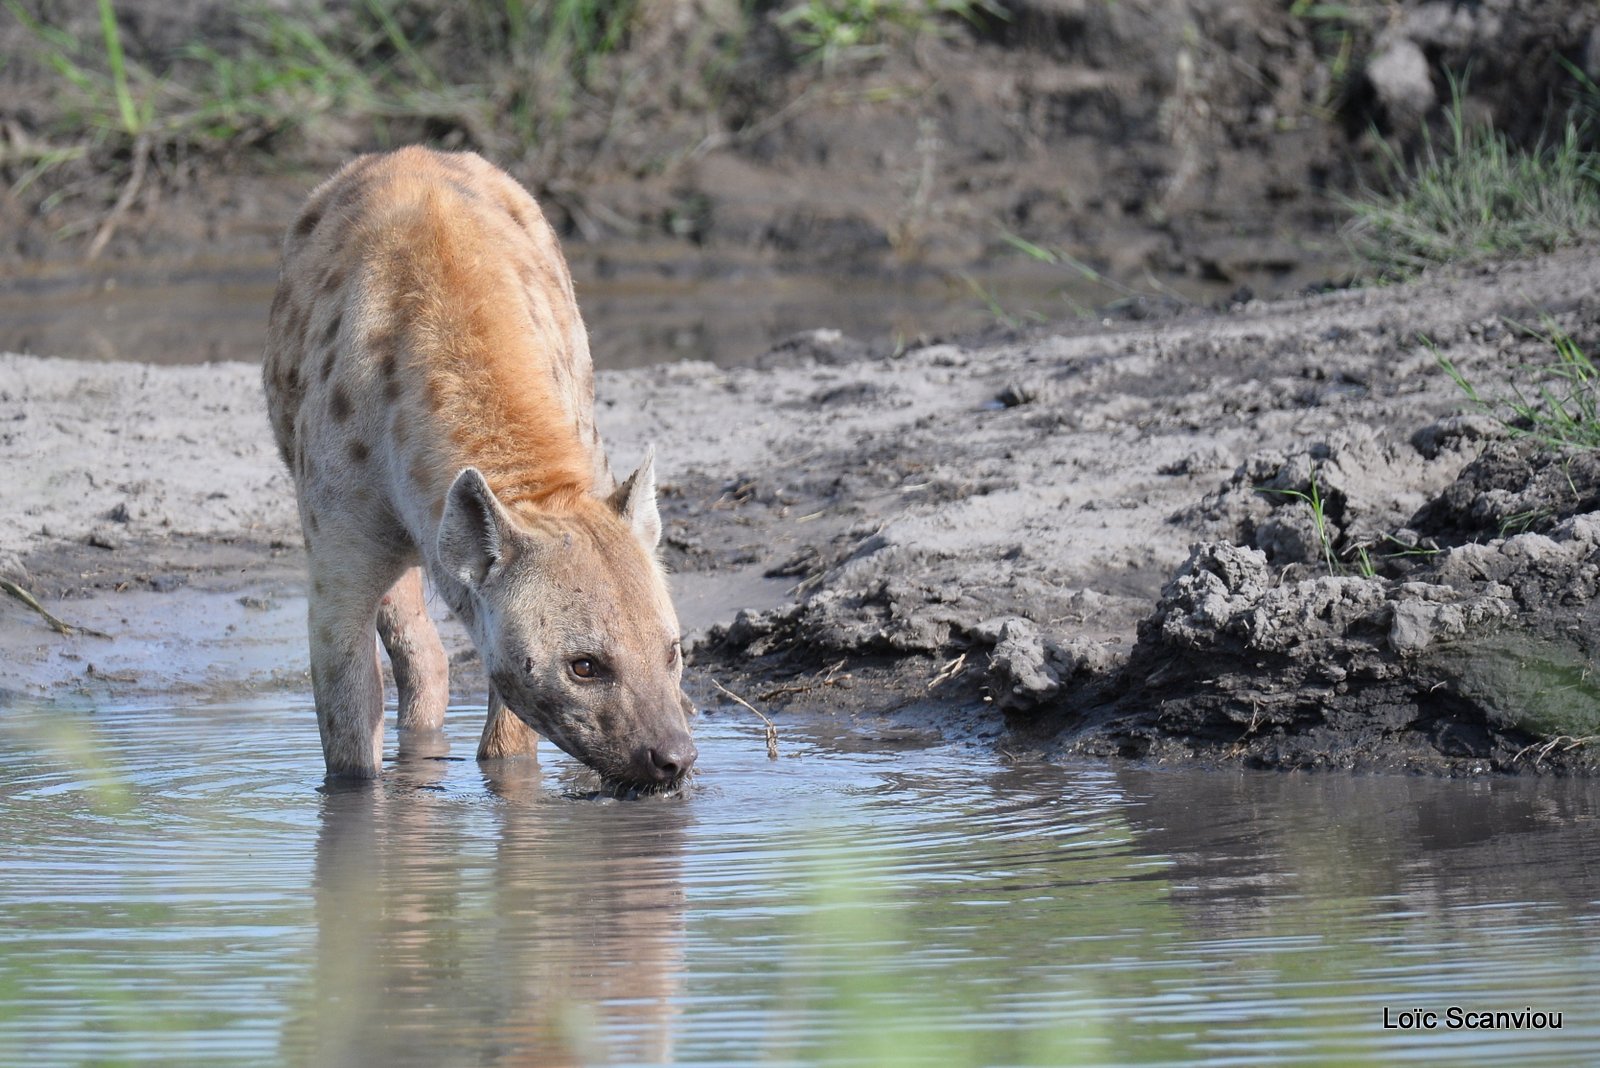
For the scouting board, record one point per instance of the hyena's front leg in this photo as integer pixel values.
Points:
(421, 671)
(344, 663)
(504, 735)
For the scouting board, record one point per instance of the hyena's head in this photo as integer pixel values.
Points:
(571, 614)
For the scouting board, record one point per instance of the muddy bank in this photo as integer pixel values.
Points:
(1094, 540)
(1001, 544)
(1177, 139)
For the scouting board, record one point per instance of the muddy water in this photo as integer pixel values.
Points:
(179, 888)
(638, 312)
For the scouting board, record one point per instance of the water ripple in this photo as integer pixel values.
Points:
(181, 888)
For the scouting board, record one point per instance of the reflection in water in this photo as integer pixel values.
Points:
(1244, 844)
(531, 937)
(180, 887)
(639, 312)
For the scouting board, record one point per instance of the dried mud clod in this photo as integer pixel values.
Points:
(1513, 487)
(1473, 650)
(1444, 655)
(1349, 500)
(1026, 669)
(1319, 671)
(1467, 666)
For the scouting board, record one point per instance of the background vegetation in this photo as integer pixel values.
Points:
(1478, 195)
(1143, 138)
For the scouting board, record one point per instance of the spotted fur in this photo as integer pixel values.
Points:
(429, 386)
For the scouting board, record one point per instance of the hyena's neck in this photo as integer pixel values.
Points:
(536, 488)
(566, 515)
(496, 357)
(522, 440)
(535, 478)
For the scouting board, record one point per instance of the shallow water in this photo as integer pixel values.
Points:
(638, 313)
(179, 888)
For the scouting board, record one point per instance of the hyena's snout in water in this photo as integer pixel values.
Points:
(666, 758)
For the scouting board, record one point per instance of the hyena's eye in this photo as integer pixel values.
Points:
(585, 668)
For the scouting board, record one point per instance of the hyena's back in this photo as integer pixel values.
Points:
(425, 322)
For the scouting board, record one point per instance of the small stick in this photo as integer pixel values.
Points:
(807, 687)
(949, 671)
(772, 732)
(1564, 742)
(57, 625)
(141, 157)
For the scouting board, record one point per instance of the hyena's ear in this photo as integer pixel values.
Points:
(635, 501)
(474, 533)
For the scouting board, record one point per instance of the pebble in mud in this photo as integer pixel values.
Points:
(104, 536)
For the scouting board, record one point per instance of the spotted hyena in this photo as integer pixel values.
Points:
(429, 384)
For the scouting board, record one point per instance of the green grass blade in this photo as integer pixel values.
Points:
(1028, 248)
(131, 118)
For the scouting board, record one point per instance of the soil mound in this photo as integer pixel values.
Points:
(1359, 590)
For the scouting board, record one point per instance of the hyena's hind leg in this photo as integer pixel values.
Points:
(421, 671)
(504, 735)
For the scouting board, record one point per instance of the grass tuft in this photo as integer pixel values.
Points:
(1313, 500)
(1558, 405)
(831, 32)
(378, 63)
(522, 80)
(1477, 196)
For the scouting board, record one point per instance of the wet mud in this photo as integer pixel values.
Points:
(1091, 539)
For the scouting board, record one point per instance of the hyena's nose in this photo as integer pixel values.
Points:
(670, 759)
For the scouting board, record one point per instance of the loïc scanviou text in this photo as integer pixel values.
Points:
(1458, 1018)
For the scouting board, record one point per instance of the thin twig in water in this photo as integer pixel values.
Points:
(57, 625)
(772, 732)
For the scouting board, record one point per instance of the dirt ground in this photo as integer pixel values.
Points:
(1092, 540)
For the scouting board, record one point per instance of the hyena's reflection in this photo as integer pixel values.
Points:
(535, 930)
